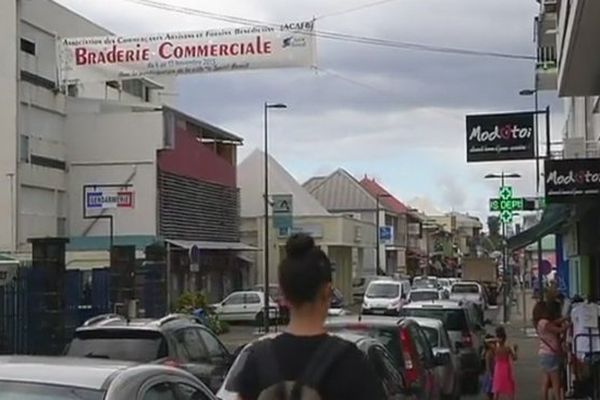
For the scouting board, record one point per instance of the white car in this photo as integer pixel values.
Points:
(426, 295)
(469, 291)
(245, 306)
(385, 297)
(448, 373)
(425, 282)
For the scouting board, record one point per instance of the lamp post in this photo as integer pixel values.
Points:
(506, 282)
(534, 93)
(377, 240)
(267, 107)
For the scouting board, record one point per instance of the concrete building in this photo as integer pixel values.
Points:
(345, 239)
(567, 36)
(34, 195)
(366, 200)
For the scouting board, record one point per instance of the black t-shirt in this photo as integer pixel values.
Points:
(350, 377)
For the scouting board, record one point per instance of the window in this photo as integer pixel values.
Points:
(38, 80)
(113, 84)
(48, 162)
(453, 320)
(252, 298)
(134, 87)
(383, 290)
(234, 299)
(119, 344)
(465, 289)
(432, 336)
(28, 46)
(161, 391)
(72, 90)
(192, 344)
(37, 391)
(24, 149)
(187, 392)
(213, 346)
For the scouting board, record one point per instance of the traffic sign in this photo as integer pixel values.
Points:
(283, 210)
(386, 233)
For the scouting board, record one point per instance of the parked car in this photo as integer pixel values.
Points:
(337, 299)
(382, 362)
(407, 344)
(277, 295)
(245, 306)
(448, 373)
(426, 295)
(64, 378)
(385, 297)
(465, 332)
(425, 282)
(175, 340)
(359, 286)
(469, 291)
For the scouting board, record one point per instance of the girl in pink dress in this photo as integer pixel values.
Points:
(503, 380)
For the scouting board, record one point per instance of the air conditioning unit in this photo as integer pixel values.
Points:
(575, 148)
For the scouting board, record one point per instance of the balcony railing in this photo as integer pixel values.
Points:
(546, 58)
(575, 148)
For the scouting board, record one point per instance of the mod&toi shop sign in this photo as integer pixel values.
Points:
(497, 137)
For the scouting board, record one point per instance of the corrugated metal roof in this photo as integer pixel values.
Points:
(251, 182)
(390, 202)
(313, 183)
(340, 191)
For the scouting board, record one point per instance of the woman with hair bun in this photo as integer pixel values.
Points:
(278, 364)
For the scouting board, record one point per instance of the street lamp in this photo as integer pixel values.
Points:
(502, 176)
(377, 208)
(267, 107)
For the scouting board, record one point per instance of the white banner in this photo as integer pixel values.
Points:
(126, 57)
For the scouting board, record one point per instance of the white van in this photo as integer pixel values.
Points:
(385, 297)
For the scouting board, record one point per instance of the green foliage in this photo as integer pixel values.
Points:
(188, 302)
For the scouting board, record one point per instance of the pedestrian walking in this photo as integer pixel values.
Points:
(305, 362)
(504, 356)
(551, 355)
(488, 373)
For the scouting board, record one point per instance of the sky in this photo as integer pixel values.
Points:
(392, 114)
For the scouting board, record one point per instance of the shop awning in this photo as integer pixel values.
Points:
(205, 245)
(555, 215)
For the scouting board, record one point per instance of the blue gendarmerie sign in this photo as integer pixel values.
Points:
(498, 137)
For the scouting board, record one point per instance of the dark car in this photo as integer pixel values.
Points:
(463, 321)
(337, 299)
(175, 340)
(382, 362)
(406, 343)
(65, 378)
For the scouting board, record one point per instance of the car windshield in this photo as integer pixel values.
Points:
(383, 290)
(39, 391)
(119, 344)
(453, 319)
(274, 291)
(465, 289)
(432, 336)
(424, 282)
(444, 282)
(424, 295)
(388, 336)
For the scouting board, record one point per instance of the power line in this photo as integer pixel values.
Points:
(353, 9)
(349, 38)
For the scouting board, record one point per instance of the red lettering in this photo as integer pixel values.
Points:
(178, 52)
(145, 55)
(129, 55)
(258, 46)
(164, 50)
(234, 49)
(224, 50)
(120, 55)
(250, 49)
(214, 50)
(92, 58)
(267, 47)
(80, 56)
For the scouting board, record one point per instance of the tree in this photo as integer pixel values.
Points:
(493, 224)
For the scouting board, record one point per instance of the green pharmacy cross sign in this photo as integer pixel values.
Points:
(506, 204)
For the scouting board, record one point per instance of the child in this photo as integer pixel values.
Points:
(503, 382)
(488, 360)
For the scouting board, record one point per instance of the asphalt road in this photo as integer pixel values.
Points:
(526, 370)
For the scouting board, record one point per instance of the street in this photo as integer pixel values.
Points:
(527, 373)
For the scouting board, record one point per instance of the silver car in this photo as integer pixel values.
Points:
(448, 372)
(65, 378)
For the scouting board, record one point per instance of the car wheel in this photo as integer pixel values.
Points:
(471, 385)
(259, 319)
